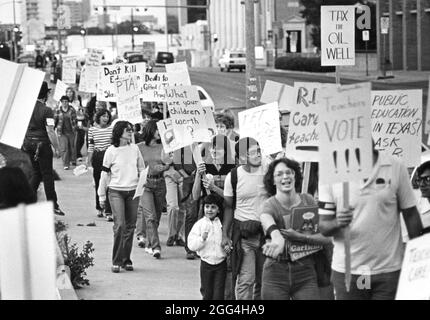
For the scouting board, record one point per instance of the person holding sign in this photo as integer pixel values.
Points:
(123, 164)
(283, 277)
(374, 221)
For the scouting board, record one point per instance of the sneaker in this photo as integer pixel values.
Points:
(141, 242)
(109, 218)
(180, 243)
(100, 214)
(128, 267)
(156, 254)
(148, 250)
(58, 212)
(191, 256)
(115, 269)
(170, 242)
(66, 168)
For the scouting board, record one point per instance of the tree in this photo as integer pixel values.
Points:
(311, 12)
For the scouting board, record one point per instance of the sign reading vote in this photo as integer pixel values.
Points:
(128, 91)
(397, 124)
(108, 75)
(337, 35)
(187, 113)
(345, 133)
(262, 124)
(303, 139)
(154, 85)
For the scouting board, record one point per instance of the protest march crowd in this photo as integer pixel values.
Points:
(262, 224)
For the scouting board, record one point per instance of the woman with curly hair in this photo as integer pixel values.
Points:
(283, 278)
(225, 125)
(123, 164)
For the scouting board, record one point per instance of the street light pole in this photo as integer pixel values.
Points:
(251, 80)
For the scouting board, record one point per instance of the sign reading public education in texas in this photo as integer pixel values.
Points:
(345, 133)
(337, 35)
(108, 75)
(397, 123)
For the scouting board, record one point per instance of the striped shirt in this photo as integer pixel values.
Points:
(99, 138)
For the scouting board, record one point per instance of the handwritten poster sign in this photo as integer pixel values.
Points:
(187, 113)
(108, 75)
(60, 90)
(345, 133)
(83, 81)
(397, 124)
(69, 70)
(172, 137)
(178, 74)
(414, 282)
(280, 92)
(128, 91)
(93, 60)
(337, 35)
(262, 124)
(154, 85)
(303, 138)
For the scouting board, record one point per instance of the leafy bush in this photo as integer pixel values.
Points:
(301, 64)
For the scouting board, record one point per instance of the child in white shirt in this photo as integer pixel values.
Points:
(205, 238)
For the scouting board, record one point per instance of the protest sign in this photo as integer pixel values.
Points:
(210, 121)
(20, 89)
(345, 133)
(337, 35)
(172, 138)
(303, 140)
(279, 92)
(27, 253)
(187, 113)
(141, 184)
(93, 60)
(128, 103)
(262, 124)
(60, 90)
(414, 281)
(427, 125)
(178, 74)
(108, 75)
(69, 70)
(397, 124)
(153, 88)
(83, 81)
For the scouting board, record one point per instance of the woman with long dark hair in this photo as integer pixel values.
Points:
(284, 278)
(123, 164)
(154, 194)
(14, 188)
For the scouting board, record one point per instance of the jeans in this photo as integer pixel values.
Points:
(42, 168)
(284, 280)
(212, 278)
(80, 141)
(175, 214)
(382, 286)
(191, 214)
(97, 163)
(67, 148)
(248, 283)
(152, 201)
(124, 209)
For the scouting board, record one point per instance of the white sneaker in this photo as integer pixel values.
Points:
(156, 254)
(141, 241)
(148, 250)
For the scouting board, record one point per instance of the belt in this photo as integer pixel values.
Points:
(154, 176)
(100, 150)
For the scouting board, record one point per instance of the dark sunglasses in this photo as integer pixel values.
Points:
(425, 180)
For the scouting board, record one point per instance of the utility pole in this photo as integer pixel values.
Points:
(208, 19)
(59, 33)
(166, 31)
(251, 79)
(132, 30)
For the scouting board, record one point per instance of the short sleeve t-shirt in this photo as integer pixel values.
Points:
(376, 242)
(250, 193)
(42, 116)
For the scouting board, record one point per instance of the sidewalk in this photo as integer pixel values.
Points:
(170, 278)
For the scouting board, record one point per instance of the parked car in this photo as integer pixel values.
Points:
(232, 60)
(164, 58)
(205, 98)
(28, 58)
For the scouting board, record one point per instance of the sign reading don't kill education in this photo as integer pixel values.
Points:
(337, 35)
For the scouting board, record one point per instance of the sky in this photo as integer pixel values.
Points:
(6, 9)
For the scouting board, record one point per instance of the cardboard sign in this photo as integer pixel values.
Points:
(153, 88)
(108, 75)
(303, 138)
(60, 90)
(187, 113)
(414, 282)
(427, 124)
(128, 102)
(337, 35)
(397, 124)
(20, 86)
(262, 124)
(28, 253)
(178, 74)
(93, 60)
(345, 133)
(171, 136)
(69, 70)
(279, 92)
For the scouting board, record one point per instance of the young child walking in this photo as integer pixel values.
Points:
(205, 238)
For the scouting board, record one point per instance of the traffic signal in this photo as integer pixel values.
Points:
(215, 37)
(83, 31)
(270, 34)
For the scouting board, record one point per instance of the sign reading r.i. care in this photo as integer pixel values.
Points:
(337, 35)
